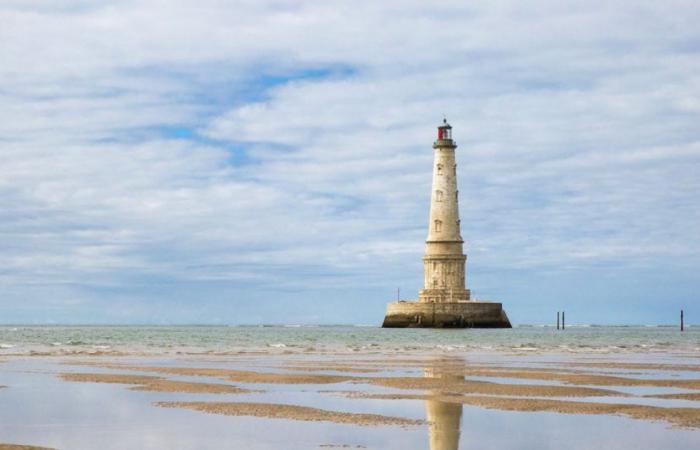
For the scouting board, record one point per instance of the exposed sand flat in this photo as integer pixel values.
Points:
(682, 417)
(642, 366)
(377, 364)
(451, 383)
(678, 396)
(330, 367)
(562, 375)
(453, 368)
(457, 385)
(248, 376)
(22, 447)
(579, 378)
(108, 378)
(156, 384)
(244, 376)
(290, 412)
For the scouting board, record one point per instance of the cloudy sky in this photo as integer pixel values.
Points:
(212, 161)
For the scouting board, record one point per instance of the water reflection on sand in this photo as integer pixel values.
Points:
(445, 418)
(40, 407)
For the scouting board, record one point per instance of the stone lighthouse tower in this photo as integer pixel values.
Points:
(444, 300)
(444, 260)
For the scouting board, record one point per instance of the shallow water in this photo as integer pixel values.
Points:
(40, 409)
(59, 340)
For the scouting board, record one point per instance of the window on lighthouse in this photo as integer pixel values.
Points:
(438, 196)
(439, 169)
(438, 226)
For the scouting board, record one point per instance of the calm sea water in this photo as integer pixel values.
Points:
(58, 340)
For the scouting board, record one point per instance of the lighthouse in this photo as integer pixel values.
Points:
(444, 260)
(445, 301)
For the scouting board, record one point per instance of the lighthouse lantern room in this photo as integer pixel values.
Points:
(445, 131)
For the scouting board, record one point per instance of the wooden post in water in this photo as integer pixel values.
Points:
(681, 320)
(557, 320)
(563, 326)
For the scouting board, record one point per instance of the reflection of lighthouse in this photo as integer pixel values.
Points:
(445, 418)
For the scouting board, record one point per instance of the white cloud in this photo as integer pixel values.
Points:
(309, 162)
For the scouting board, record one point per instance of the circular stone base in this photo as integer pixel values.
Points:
(471, 314)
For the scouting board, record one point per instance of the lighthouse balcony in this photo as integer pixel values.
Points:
(444, 143)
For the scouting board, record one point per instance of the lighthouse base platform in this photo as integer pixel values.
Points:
(465, 314)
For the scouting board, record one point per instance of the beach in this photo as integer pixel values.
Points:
(348, 387)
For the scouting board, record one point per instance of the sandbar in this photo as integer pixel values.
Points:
(678, 396)
(460, 385)
(155, 384)
(243, 376)
(642, 366)
(22, 447)
(442, 380)
(451, 383)
(566, 376)
(579, 378)
(291, 412)
(681, 417)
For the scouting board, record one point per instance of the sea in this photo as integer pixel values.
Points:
(289, 339)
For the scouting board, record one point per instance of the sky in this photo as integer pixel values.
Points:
(243, 162)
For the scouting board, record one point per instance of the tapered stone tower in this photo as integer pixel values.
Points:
(444, 260)
(444, 300)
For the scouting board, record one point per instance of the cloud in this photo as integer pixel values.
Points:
(285, 146)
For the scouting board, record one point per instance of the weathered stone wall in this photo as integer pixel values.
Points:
(476, 314)
(444, 263)
(444, 212)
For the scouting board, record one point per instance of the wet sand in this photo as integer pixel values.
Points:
(290, 412)
(568, 377)
(375, 391)
(695, 396)
(459, 385)
(579, 382)
(154, 384)
(644, 366)
(447, 381)
(21, 447)
(684, 417)
(243, 376)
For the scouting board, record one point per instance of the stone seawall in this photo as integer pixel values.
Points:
(471, 314)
